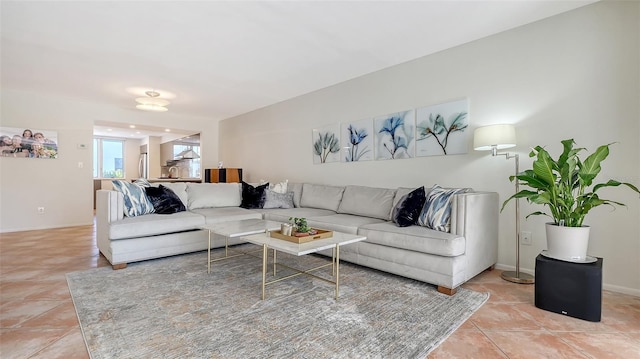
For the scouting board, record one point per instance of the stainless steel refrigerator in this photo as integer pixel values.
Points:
(143, 164)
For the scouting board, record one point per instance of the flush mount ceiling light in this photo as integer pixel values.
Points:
(152, 102)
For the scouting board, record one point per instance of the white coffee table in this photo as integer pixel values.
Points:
(267, 242)
(233, 229)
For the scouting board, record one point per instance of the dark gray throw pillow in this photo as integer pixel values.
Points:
(407, 210)
(164, 200)
(253, 197)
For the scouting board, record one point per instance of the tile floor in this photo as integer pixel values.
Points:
(38, 320)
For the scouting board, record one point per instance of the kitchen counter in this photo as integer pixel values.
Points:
(172, 180)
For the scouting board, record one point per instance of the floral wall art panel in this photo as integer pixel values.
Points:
(357, 141)
(442, 129)
(28, 143)
(326, 144)
(395, 135)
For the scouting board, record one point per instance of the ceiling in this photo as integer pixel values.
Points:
(219, 59)
(115, 129)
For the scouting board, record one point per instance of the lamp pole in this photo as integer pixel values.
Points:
(516, 276)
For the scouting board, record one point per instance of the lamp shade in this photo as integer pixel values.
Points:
(494, 136)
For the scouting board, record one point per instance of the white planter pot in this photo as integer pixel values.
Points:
(567, 243)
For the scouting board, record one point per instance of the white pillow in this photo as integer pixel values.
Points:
(208, 195)
(278, 187)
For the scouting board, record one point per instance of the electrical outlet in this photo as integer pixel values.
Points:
(525, 238)
(40, 210)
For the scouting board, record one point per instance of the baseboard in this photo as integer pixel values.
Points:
(512, 268)
(619, 289)
(22, 229)
(605, 286)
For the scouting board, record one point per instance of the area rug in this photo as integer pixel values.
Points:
(171, 308)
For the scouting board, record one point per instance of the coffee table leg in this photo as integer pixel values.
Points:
(209, 255)
(337, 271)
(264, 267)
(333, 262)
(274, 262)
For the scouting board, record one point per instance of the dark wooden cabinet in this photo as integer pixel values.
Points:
(222, 175)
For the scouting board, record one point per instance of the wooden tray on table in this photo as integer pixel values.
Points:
(320, 234)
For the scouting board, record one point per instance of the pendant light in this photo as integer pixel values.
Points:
(152, 102)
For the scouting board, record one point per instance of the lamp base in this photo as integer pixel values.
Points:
(515, 277)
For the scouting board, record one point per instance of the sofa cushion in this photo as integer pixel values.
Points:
(154, 224)
(407, 210)
(136, 202)
(274, 199)
(414, 238)
(253, 197)
(225, 214)
(164, 200)
(210, 195)
(296, 188)
(436, 212)
(321, 196)
(346, 223)
(283, 214)
(367, 201)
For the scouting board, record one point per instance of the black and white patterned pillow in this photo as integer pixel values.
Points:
(136, 202)
(436, 213)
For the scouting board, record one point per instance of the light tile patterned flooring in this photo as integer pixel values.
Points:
(38, 320)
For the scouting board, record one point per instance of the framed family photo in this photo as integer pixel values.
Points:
(28, 143)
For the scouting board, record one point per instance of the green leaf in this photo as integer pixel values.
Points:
(521, 194)
(543, 166)
(537, 214)
(614, 183)
(567, 147)
(529, 178)
(591, 166)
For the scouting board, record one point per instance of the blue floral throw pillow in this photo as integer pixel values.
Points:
(436, 213)
(407, 210)
(136, 202)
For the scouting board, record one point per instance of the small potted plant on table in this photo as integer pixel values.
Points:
(300, 226)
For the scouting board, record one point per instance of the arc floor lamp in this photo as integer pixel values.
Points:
(493, 138)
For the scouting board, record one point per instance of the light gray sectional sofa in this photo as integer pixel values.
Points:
(445, 259)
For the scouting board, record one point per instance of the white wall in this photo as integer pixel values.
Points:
(65, 190)
(575, 75)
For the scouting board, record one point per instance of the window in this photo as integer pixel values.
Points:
(193, 167)
(108, 158)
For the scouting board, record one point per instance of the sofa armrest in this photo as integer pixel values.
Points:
(109, 205)
(475, 216)
(109, 208)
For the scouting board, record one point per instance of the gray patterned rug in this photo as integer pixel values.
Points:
(171, 308)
